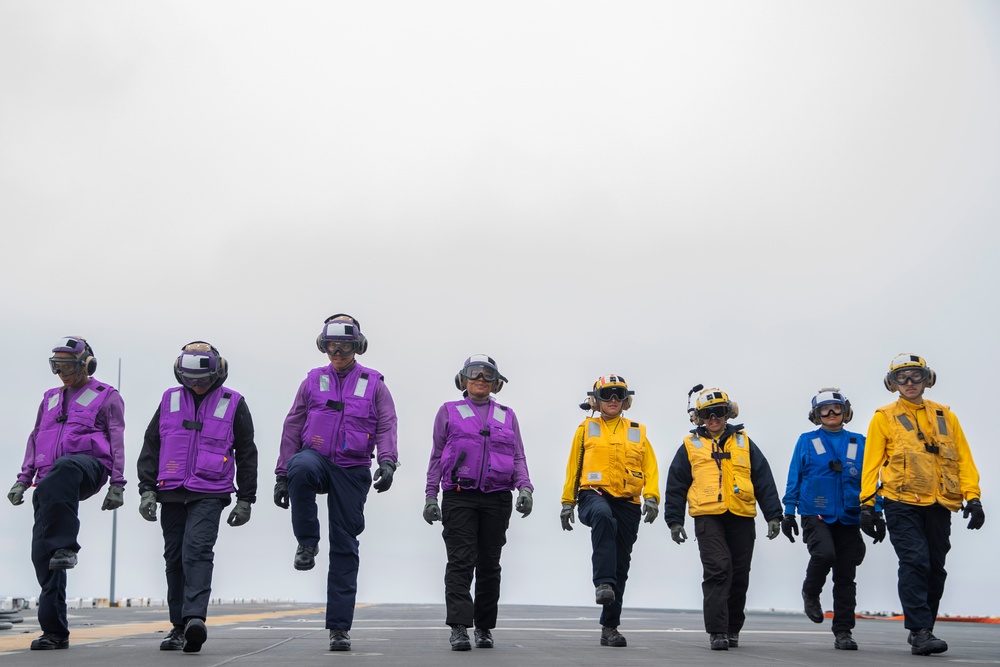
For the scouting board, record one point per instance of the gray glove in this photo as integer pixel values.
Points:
(147, 505)
(281, 491)
(240, 514)
(773, 528)
(16, 495)
(677, 533)
(114, 499)
(650, 509)
(383, 476)
(566, 517)
(432, 512)
(524, 502)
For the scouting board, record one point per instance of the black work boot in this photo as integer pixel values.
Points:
(611, 637)
(719, 641)
(174, 641)
(63, 559)
(340, 640)
(813, 609)
(844, 641)
(50, 641)
(923, 642)
(734, 639)
(305, 557)
(195, 634)
(605, 594)
(460, 638)
(484, 638)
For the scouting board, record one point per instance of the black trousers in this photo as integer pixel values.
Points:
(921, 537)
(56, 501)
(475, 531)
(189, 534)
(838, 547)
(725, 543)
(614, 528)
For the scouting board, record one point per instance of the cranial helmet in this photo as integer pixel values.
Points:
(200, 364)
(341, 328)
(710, 398)
(907, 361)
(81, 351)
(608, 385)
(829, 396)
(476, 365)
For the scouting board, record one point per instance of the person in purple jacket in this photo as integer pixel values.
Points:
(477, 459)
(76, 446)
(343, 413)
(199, 440)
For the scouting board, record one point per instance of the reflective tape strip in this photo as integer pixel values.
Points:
(220, 409)
(324, 383)
(465, 411)
(175, 401)
(905, 421)
(359, 389)
(739, 440)
(852, 450)
(593, 430)
(633, 434)
(696, 441)
(86, 397)
(818, 446)
(53, 401)
(499, 415)
(942, 426)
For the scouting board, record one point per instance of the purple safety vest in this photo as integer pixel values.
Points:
(476, 455)
(70, 427)
(196, 448)
(341, 418)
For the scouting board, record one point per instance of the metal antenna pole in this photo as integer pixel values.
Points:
(114, 519)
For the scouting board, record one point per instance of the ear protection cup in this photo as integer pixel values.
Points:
(89, 359)
(361, 343)
(734, 410)
(221, 365)
(460, 381)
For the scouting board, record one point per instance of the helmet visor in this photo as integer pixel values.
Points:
(906, 375)
(473, 371)
(607, 393)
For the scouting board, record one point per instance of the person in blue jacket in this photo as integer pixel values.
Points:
(824, 485)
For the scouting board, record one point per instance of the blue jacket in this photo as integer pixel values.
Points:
(824, 477)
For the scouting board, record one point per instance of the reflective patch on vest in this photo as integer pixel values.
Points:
(465, 411)
(593, 430)
(220, 409)
(852, 449)
(594, 477)
(86, 397)
(324, 383)
(633, 435)
(359, 389)
(905, 421)
(53, 401)
(818, 446)
(175, 401)
(942, 426)
(499, 414)
(696, 442)
(739, 440)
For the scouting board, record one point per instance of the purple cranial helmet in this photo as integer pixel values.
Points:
(81, 351)
(339, 329)
(476, 365)
(200, 365)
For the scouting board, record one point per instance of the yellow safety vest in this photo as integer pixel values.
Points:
(720, 479)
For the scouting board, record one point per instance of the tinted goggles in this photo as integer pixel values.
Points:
(720, 411)
(827, 410)
(64, 366)
(197, 382)
(475, 371)
(608, 393)
(341, 346)
(907, 375)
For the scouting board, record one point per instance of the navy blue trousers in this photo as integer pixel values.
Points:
(614, 527)
(310, 473)
(838, 547)
(921, 537)
(725, 543)
(56, 501)
(475, 531)
(189, 534)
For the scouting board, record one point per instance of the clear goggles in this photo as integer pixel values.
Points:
(834, 409)
(474, 371)
(907, 375)
(340, 346)
(607, 393)
(720, 411)
(64, 365)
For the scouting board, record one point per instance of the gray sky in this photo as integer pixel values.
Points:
(769, 197)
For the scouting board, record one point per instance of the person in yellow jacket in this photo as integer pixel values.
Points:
(918, 460)
(612, 477)
(722, 475)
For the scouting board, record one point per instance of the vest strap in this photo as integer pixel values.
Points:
(335, 405)
(192, 426)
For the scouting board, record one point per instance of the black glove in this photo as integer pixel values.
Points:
(788, 526)
(566, 517)
(281, 491)
(240, 514)
(975, 508)
(383, 476)
(872, 524)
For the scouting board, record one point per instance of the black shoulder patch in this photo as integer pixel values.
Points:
(634, 424)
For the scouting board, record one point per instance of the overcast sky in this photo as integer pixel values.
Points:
(767, 197)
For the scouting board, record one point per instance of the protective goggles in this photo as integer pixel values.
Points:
(64, 366)
(608, 393)
(827, 410)
(720, 411)
(197, 382)
(341, 346)
(906, 375)
(474, 371)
